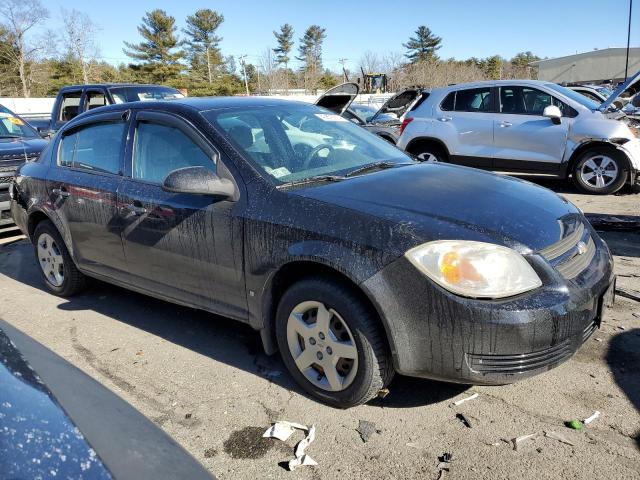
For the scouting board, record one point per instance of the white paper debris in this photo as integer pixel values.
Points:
(518, 440)
(459, 402)
(595, 415)
(282, 430)
(558, 437)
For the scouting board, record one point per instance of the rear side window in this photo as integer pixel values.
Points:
(94, 148)
(160, 149)
(449, 102)
(95, 100)
(472, 100)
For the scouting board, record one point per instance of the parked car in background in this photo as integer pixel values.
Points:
(350, 258)
(384, 121)
(527, 126)
(19, 143)
(71, 101)
(57, 422)
(590, 92)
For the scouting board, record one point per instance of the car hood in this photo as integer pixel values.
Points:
(632, 85)
(338, 98)
(439, 201)
(400, 103)
(30, 147)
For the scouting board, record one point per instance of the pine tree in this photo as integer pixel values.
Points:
(423, 46)
(310, 51)
(282, 51)
(160, 59)
(202, 42)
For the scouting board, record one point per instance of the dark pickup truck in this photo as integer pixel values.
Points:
(73, 100)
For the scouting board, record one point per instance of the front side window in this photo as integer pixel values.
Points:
(519, 100)
(70, 106)
(95, 147)
(160, 149)
(289, 143)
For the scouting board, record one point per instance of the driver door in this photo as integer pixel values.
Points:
(185, 247)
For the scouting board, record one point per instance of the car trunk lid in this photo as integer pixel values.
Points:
(338, 99)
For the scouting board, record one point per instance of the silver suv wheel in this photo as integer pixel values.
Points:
(599, 171)
(322, 346)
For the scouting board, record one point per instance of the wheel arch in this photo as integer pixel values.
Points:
(590, 144)
(38, 215)
(295, 271)
(417, 142)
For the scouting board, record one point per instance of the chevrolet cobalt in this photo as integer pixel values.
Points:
(350, 258)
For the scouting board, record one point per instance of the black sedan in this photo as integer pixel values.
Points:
(349, 257)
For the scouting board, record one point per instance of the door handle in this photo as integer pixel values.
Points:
(135, 209)
(445, 119)
(60, 192)
(505, 124)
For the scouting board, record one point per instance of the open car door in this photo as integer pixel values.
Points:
(338, 99)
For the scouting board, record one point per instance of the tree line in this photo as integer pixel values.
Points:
(33, 64)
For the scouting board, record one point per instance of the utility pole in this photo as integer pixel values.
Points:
(244, 72)
(344, 71)
(626, 66)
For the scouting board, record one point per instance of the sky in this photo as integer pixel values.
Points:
(468, 28)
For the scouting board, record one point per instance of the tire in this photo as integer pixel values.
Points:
(56, 266)
(430, 153)
(358, 379)
(600, 171)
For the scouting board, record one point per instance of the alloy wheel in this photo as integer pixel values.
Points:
(51, 260)
(599, 171)
(322, 346)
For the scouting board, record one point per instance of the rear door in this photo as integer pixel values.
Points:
(464, 120)
(524, 139)
(186, 247)
(83, 186)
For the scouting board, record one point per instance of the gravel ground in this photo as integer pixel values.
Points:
(205, 381)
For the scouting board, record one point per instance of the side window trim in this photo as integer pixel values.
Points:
(170, 120)
(111, 117)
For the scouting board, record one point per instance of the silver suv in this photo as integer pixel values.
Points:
(527, 126)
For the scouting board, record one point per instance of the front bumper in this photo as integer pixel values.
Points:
(436, 334)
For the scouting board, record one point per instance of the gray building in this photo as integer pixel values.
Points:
(589, 67)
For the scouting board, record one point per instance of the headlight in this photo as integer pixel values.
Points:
(475, 269)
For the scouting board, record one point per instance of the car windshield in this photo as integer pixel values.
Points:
(290, 143)
(573, 95)
(143, 93)
(14, 127)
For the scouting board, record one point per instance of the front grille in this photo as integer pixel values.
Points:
(6, 179)
(572, 254)
(519, 363)
(586, 334)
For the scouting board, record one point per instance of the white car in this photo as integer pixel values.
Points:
(527, 126)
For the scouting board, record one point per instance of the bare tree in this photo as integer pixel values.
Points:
(20, 17)
(370, 62)
(80, 40)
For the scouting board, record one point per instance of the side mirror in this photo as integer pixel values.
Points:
(553, 113)
(44, 132)
(199, 181)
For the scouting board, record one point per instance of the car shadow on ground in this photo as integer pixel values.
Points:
(561, 185)
(219, 338)
(623, 357)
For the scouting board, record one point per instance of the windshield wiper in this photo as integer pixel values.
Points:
(314, 179)
(369, 167)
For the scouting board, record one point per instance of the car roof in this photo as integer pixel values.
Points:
(490, 83)
(111, 85)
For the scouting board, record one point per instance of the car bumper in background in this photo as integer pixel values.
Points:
(436, 334)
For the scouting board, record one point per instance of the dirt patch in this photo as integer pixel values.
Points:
(248, 443)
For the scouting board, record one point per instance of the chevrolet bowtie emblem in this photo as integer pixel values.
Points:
(582, 248)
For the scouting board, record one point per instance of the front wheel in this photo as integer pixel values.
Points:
(600, 171)
(332, 343)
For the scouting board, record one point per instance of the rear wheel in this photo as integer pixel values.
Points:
(56, 266)
(429, 153)
(332, 343)
(600, 171)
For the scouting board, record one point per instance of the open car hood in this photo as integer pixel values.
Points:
(338, 99)
(632, 85)
(399, 103)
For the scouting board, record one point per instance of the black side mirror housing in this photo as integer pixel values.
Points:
(199, 181)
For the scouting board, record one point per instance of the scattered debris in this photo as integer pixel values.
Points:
(412, 445)
(210, 452)
(558, 437)
(595, 415)
(445, 461)
(620, 327)
(518, 440)
(625, 292)
(460, 402)
(282, 431)
(383, 392)
(574, 424)
(464, 419)
(188, 415)
(598, 339)
(366, 429)
(139, 352)
(637, 315)
(114, 349)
